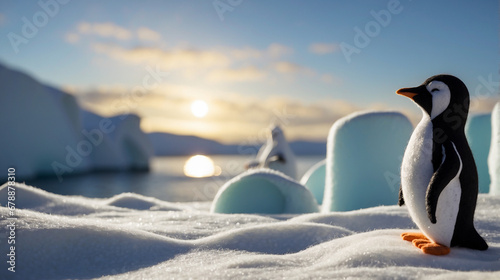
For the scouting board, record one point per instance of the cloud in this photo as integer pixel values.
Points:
(233, 117)
(277, 50)
(111, 30)
(72, 37)
(245, 53)
(3, 19)
(106, 30)
(167, 59)
(249, 73)
(323, 48)
(287, 67)
(330, 79)
(146, 34)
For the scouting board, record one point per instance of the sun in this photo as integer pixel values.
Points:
(200, 166)
(199, 108)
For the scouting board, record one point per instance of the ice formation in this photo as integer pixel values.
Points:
(478, 132)
(46, 132)
(263, 191)
(276, 154)
(364, 153)
(314, 180)
(494, 155)
(118, 142)
(35, 125)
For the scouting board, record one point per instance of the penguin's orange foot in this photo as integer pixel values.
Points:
(420, 241)
(410, 236)
(435, 249)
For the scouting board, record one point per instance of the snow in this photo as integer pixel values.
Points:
(494, 155)
(478, 132)
(49, 134)
(263, 191)
(314, 180)
(364, 153)
(135, 237)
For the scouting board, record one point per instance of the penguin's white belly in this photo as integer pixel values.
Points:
(416, 173)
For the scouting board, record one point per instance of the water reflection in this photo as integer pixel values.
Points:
(200, 166)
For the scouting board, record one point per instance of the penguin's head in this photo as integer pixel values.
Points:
(440, 94)
(276, 132)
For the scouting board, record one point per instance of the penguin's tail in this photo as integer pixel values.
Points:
(472, 241)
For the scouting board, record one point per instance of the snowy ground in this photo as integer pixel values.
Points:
(135, 237)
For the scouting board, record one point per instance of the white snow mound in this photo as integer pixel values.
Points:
(263, 191)
(71, 237)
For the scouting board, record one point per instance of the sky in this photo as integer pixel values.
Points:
(301, 64)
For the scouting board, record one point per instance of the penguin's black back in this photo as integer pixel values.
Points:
(450, 126)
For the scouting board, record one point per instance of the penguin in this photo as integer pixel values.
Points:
(439, 181)
(276, 154)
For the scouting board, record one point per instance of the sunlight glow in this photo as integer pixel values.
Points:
(199, 166)
(199, 108)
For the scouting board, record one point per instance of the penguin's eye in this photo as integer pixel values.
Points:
(434, 90)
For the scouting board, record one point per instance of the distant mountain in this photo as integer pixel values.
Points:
(167, 144)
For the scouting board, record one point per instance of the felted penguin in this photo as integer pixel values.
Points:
(276, 154)
(439, 181)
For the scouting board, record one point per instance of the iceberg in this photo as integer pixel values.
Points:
(118, 142)
(35, 124)
(494, 155)
(314, 180)
(478, 132)
(47, 133)
(364, 154)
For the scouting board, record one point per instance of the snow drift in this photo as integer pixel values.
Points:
(135, 237)
(263, 191)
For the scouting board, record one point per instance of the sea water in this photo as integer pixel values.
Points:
(166, 179)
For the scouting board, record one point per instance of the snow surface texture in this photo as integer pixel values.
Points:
(135, 237)
(276, 154)
(263, 191)
(364, 153)
(48, 133)
(478, 131)
(314, 180)
(494, 156)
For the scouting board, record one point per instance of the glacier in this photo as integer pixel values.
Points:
(46, 132)
(363, 161)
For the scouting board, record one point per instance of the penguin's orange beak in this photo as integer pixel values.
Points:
(412, 92)
(403, 92)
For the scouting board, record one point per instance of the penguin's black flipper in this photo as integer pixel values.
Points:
(401, 200)
(441, 178)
